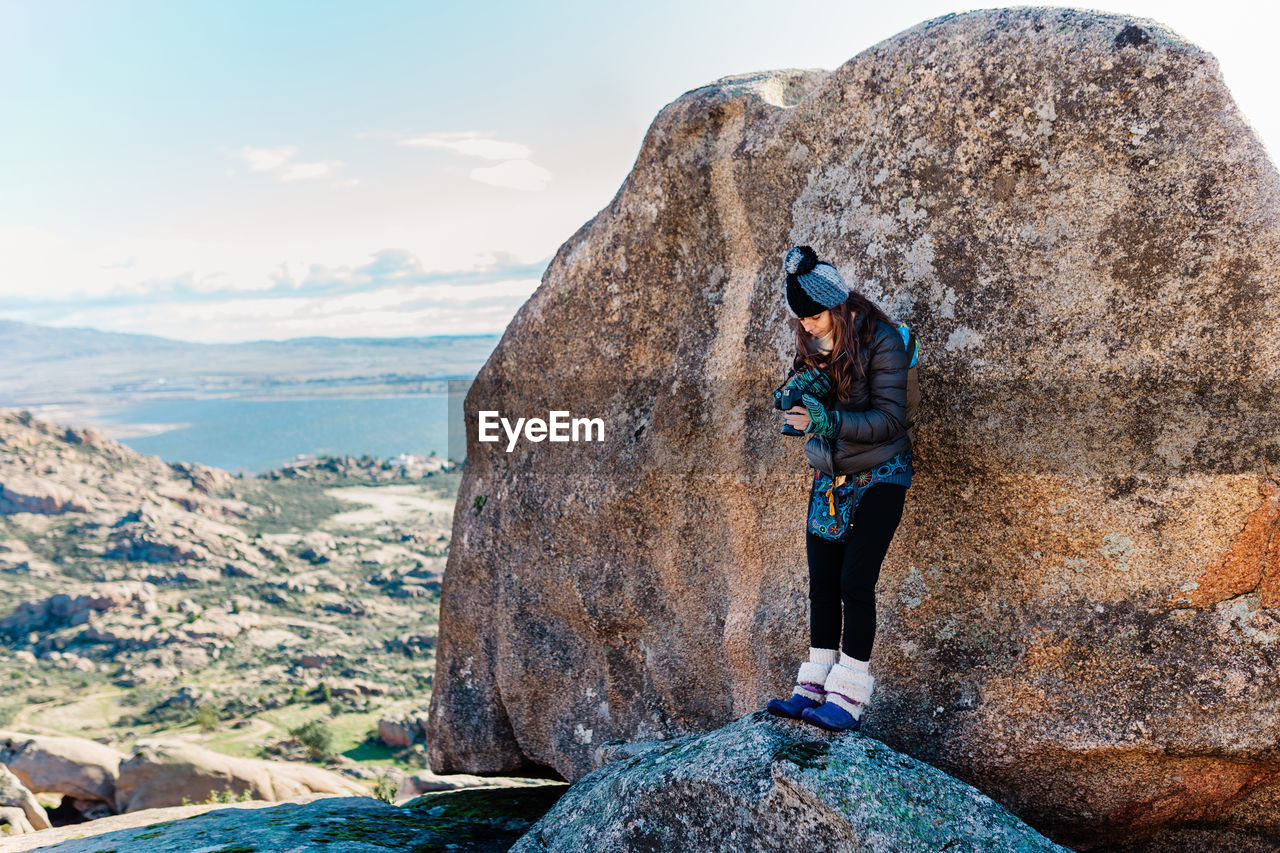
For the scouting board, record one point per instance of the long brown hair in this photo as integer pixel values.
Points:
(853, 326)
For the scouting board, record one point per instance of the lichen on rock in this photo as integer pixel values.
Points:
(761, 782)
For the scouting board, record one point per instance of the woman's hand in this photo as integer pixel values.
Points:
(811, 380)
(822, 421)
(797, 417)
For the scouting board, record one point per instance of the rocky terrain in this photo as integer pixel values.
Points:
(756, 784)
(1078, 614)
(767, 783)
(172, 634)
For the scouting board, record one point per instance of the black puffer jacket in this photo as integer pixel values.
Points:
(872, 422)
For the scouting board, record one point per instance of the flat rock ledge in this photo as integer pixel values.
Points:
(469, 820)
(765, 783)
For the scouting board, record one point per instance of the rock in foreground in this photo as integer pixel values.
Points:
(162, 774)
(475, 820)
(764, 783)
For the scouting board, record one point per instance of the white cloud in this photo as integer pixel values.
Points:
(516, 171)
(306, 171)
(472, 144)
(513, 174)
(267, 159)
(50, 269)
(213, 291)
(393, 311)
(279, 160)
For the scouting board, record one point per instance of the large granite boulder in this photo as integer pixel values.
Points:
(73, 766)
(20, 811)
(161, 774)
(53, 469)
(61, 610)
(1078, 614)
(158, 532)
(25, 493)
(762, 783)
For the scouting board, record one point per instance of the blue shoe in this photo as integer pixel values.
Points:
(831, 716)
(848, 692)
(792, 706)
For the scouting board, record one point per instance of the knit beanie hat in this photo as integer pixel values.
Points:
(813, 286)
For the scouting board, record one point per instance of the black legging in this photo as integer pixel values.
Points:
(847, 571)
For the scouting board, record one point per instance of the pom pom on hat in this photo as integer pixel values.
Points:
(800, 260)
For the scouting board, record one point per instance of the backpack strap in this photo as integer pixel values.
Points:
(909, 341)
(913, 349)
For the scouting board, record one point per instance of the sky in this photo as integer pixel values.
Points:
(261, 169)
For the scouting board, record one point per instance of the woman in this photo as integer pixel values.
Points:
(852, 363)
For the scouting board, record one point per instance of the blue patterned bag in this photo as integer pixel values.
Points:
(834, 500)
(831, 502)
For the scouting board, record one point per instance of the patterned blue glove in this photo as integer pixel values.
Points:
(822, 421)
(811, 380)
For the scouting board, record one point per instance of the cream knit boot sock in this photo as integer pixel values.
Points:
(813, 673)
(853, 663)
(849, 688)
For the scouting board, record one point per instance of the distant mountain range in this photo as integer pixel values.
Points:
(43, 366)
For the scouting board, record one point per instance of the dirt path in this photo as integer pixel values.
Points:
(257, 731)
(19, 722)
(387, 503)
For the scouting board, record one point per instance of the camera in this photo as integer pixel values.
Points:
(785, 398)
(810, 380)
